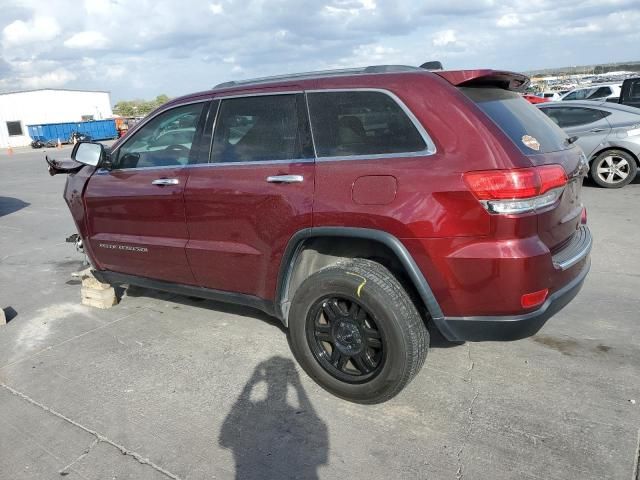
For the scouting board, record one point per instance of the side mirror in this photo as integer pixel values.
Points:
(88, 153)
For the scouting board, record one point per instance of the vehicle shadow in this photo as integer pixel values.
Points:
(270, 436)
(134, 291)
(11, 205)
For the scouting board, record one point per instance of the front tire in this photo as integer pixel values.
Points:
(356, 332)
(613, 169)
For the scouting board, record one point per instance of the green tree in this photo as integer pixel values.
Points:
(139, 108)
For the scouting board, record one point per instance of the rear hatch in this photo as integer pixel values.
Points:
(542, 142)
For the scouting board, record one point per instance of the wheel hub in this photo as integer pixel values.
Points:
(348, 338)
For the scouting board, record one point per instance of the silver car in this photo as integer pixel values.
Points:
(608, 133)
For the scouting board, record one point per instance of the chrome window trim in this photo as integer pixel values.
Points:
(257, 162)
(430, 145)
(142, 124)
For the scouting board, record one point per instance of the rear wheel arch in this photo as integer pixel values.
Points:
(312, 249)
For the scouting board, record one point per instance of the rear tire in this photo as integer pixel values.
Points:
(356, 332)
(613, 169)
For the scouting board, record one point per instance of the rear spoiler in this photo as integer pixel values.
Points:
(486, 78)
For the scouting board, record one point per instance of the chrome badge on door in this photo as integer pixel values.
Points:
(128, 248)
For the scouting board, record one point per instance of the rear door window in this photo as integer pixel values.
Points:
(261, 128)
(518, 119)
(354, 123)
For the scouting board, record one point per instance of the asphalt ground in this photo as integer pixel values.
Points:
(165, 386)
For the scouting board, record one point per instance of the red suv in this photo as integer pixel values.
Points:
(361, 207)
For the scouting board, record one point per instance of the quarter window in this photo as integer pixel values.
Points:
(574, 116)
(361, 123)
(164, 141)
(259, 128)
(14, 128)
(601, 92)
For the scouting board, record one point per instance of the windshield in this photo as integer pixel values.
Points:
(523, 123)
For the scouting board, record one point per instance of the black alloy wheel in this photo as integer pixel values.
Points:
(345, 339)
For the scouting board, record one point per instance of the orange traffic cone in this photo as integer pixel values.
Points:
(9, 150)
(59, 144)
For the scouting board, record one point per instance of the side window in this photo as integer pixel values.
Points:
(164, 141)
(361, 123)
(259, 128)
(601, 92)
(573, 116)
(634, 89)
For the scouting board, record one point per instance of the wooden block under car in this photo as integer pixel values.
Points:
(96, 294)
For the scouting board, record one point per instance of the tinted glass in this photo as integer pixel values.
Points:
(14, 128)
(573, 116)
(634, 90)
(164, 141)
(258, 128)
(579, 94)
(517, 118)
(600, 92)
(361, 123)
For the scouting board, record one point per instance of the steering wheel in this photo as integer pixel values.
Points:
(178, 148)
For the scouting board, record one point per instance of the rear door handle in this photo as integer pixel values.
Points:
(597, 130)
(165, 181)
(285, 179)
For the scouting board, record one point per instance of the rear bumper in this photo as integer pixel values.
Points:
(503, 328)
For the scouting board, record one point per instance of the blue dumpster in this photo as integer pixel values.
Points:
(96, 129)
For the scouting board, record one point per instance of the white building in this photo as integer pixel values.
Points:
(34, 107)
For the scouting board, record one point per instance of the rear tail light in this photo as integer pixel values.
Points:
(519, 190)
(530, 300)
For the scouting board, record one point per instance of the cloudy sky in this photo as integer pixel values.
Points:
(141, 48)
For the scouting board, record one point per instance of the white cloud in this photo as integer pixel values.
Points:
(444, 38)
(216, 8)
(56, 78)
(509, 20)
(90, 40)
(38, 29)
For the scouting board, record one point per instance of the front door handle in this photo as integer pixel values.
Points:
(165, 181)
(285, 179)
(597, 130)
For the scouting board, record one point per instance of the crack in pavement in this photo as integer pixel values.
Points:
(66, 470)
(460, 471)
(99, 437)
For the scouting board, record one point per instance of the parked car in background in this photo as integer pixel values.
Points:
(608, 133)
(535, 99)
(609, 92)
(360, 207)
(551, 96)
(630, 94)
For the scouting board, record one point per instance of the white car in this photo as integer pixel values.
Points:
(594, 92)
(551, 96)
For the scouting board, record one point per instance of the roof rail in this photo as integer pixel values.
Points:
(322, 73)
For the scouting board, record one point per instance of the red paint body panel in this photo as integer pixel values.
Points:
(239, 224)
(125, 210)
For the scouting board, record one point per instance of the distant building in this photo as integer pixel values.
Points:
(35, 107)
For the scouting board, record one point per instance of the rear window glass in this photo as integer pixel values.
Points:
(519, 120)
(361, 123)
